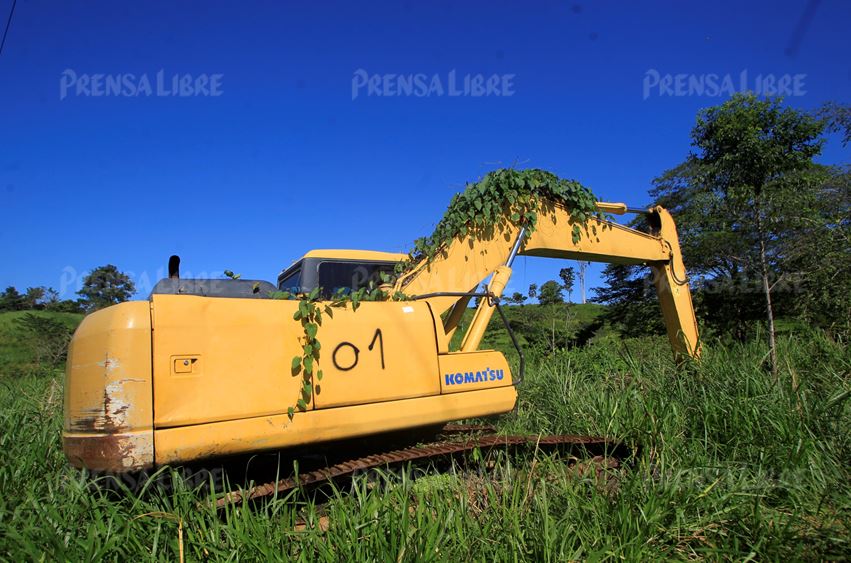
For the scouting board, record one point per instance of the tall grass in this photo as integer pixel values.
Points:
(733, 464)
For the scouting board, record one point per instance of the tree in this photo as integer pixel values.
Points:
(533, 290)
(47, 337)
(67, 306)
(105, 286)
(34, 298)
(748, 150)
(51, 297)
(816, 254)
(550, 293)
(838, 118)
(715, 249)
(11, 300)
(516, 298)
(630, 299)
(567, 275)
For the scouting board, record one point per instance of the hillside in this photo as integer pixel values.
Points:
(17, 348)
(542, 328)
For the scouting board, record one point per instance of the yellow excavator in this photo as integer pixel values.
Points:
(203, 368)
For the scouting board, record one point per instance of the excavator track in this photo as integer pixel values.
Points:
(605, 453)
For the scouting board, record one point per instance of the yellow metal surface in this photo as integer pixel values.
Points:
(484, 312)
(243, 349)
(473, 371)
(382, 352)
(616, 208)
(277, 431)
(601, 241)
(185, 365)
(465, 263)
(108, 393)
(674, 295)
(365, 255)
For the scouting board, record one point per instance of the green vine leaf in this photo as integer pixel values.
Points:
(310, 330)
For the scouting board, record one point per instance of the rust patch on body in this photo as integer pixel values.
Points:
(111, 414)
(110, 452)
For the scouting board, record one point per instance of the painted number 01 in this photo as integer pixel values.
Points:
(377, 337)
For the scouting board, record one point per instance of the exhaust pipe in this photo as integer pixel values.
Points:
(174, 267)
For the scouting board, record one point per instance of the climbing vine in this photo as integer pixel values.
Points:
(505, 196)
(502, 198)
(309, 313)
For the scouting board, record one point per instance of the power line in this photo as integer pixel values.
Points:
(8, 23)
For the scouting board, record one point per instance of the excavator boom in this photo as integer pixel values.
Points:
(465, 263)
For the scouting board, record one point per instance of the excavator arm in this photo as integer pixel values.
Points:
(466, 262)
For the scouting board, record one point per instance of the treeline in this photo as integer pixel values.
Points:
(102, 287)
(550, 292)
(765, 231)
(38, 298)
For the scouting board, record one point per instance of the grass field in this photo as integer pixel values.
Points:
(733, 465)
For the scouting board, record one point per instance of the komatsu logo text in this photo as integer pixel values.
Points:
(473, 376)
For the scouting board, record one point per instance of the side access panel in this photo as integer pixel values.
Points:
(384, 351)
(473, 371)
(221, 359)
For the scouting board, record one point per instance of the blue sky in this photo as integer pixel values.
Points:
(284, 159)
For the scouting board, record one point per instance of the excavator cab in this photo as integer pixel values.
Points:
(332, 270)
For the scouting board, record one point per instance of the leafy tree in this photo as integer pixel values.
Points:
(631, 300)
(67, 306)
(51, 297)
(533, 290)
(568, 276)
(750, 156)
(838, 119)
(516, 298)
(816, 254)
(47, 337)
(551, 293)
(34, 297)
(105, 286)
(11, 300)
(715, 250)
